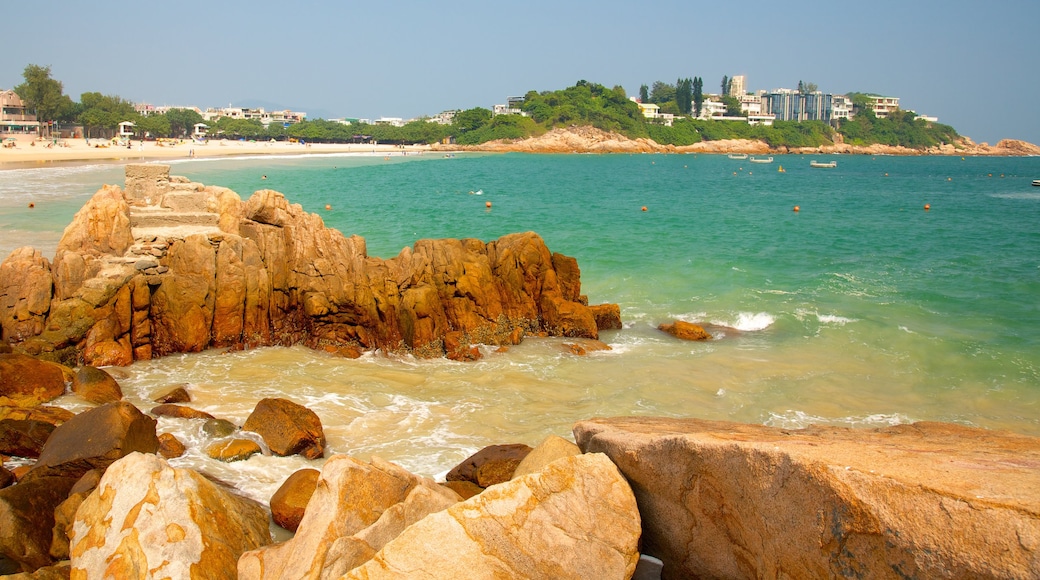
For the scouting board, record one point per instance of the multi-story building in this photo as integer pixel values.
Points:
(737, 86)
(14, 116)
(882, 106)
(841, 108)
(791, 105)
(285, 117)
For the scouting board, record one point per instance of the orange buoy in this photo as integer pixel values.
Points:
(327, 207)
(644, 208)
(927, 206)
(796, 208)
(487, 204)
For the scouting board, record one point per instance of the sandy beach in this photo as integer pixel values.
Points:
(70, 151)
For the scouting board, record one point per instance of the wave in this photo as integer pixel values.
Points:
(748, 321)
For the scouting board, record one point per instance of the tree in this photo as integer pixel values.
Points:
(472, 119)
(43, 94)
(662, 93)
(644, 94)
(725, 85)
(698, 96)
(182, 121)
(684, 95)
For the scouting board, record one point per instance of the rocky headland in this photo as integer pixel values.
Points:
(164, 265)
(591, 140)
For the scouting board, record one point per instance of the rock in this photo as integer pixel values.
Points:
(94, 439)
(349, 497)
(26, 288)
(6, 477)
(96, 386)
(28, 382)
(585, 346)
(233, 450)
(685, 330)
(465, 489)
(608, 316)
(23, 437)
(27, 517)
(180, 412)
(65, 513)
(218, 427)
(728, 500)
(172, 523)
(575, 519)
(492, 464)
(175, 395)
(53, 415)
(290, 501)
(287, 428)
(169, 446)
(549, 450)
(58, 571)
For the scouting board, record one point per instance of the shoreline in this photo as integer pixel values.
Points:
(571, 140)
(77, 152)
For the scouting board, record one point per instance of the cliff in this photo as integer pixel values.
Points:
(166, 266)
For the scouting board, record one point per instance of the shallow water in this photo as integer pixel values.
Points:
(861, 309)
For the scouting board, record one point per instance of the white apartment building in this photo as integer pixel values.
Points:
(285, 117)
(841, 108)
(882, 106)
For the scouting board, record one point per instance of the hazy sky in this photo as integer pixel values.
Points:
(973, 64)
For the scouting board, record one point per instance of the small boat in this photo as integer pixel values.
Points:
(781, 169)
(761, 159)
(823, 164)
(738, 155)
(1036, 182)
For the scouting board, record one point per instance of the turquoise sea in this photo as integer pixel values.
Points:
(861, 309)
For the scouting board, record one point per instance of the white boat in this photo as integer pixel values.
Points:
(761, 160)
(738, 155)
(1036, 182)
(823, 164)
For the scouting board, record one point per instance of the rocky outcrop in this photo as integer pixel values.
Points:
(170, 266)
(586, 139)
(147, 519)
(732, 500)
(576, 518)
(685, 330)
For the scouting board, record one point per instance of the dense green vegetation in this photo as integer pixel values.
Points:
(584, 104)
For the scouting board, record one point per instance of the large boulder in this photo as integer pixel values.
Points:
(730, 500)
(65, 513)
(23, 432)
(28, 382)
(685, 330)
(94, 439)
(349, 496)
(577, 518)
(287, 428)
(549, 450)
(147, 519)
(26, 519)
(492, 464)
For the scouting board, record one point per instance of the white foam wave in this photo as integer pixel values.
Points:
(748, 321)
(833, 319)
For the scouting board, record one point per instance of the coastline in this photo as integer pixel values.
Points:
(569, 140)
(76, 152)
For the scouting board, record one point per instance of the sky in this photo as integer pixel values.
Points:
(974, 65)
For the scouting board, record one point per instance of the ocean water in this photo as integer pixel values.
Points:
(862, 309)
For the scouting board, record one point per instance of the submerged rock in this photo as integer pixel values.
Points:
(732, 500)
